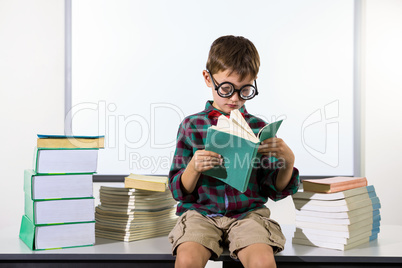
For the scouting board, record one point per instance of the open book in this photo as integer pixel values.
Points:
(236, 142)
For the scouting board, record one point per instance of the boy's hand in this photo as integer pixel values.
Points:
(278, 148)
(201, 161)
(205, 160)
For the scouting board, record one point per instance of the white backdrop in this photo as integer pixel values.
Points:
(136, 72)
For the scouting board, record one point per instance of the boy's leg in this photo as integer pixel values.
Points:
(257, 255)
(255, 239)
(192, 254)
(195, 238)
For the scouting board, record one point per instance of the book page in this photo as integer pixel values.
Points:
(227, 125)
(238, 119)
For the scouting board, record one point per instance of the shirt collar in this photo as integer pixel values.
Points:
(209, 107)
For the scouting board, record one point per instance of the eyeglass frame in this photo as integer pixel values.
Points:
(234, 88)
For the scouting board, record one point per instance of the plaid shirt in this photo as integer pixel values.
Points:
(212, 196)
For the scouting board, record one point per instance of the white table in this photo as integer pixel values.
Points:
(386, 251)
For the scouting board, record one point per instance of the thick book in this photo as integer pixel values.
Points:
(374, 221)
(66, 141)
(346, 234)
(48, 186)
(335, 237)
(339, 215)
(149, 183)
(333, 185)
(338, 246)
(348, 220)
(40, 237)
(63, 161)
(342, 205)
(59, 210)
(301, 194)
(235, 141)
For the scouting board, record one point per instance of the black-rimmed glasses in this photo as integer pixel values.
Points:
(227, 89)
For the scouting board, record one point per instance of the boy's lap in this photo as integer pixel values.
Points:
(194, 227)
(256, 227)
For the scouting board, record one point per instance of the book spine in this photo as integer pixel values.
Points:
(29, 209)
(28, 177)
(36, 158)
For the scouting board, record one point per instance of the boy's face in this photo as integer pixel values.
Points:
(226, 104)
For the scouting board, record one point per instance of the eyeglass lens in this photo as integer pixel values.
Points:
(227, 89)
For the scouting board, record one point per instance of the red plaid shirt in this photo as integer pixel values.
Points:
(212, 196)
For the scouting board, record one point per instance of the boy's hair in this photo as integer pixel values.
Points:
(236, 54)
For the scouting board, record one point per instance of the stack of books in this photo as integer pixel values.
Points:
(337, 213)
(144, 208)
(59, 202)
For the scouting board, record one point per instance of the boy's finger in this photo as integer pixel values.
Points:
(271, 144)
(270, 140)
(211, 159)
(268, 147)
(210, 153)
(269, 150)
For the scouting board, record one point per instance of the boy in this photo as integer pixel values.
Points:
(211, 212)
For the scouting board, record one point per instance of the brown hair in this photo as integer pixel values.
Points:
(234, 53)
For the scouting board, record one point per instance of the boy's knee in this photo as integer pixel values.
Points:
(191, 254)
(262, 261)
(257, 255)
(184, 261)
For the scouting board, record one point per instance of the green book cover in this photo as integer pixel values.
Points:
(269, 131)
(238, 157)
(42, 237)
(235, 141)
(27, 232)
(28, 173)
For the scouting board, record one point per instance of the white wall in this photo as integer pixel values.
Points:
(32, 91)
(32, 97)
(114, 60)
(383, 104)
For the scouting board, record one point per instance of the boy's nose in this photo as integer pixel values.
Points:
(235, 96)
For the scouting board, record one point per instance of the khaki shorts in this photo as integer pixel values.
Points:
(216, 232)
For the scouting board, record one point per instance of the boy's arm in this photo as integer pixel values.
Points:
(280, 179)
(186, 168)
(202, 161)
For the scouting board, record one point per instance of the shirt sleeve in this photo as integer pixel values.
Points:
(268, 173)
(181, 158)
